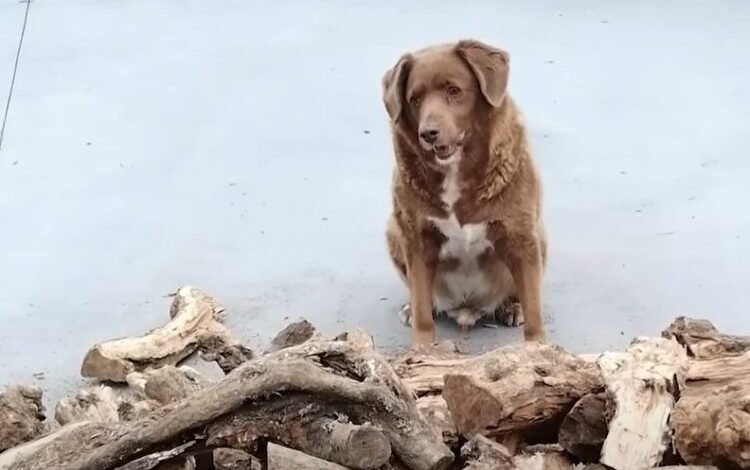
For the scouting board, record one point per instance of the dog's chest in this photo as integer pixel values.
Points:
(466, 242)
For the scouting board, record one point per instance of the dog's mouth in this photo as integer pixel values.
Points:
(443, 151)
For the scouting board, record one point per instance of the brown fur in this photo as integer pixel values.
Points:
(458, 92)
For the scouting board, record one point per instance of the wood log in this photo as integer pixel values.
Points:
(53, 450)
(21, 415)
(702, 340)
(283, 458)
(168, 383)
(294, 334)
(157, 459)
(298, 421)
(194, 322)
(549, 458)
(482, 453)
(584, 429)
(711, 422)
(103, 403)
(517, 387)
(235, 459)
(435, 411)
(356, 379)
(641, 384)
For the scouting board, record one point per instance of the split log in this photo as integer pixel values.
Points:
(235, 459)
(517, 387)
(54, 450)
(711, 421)
(423, 369)
(283, 458)
(584, 429)
(21, 415)
(482, 453)
(103, 403)
(303, 423)
(642, 384)
(151, 461)
(356, 379)
(435, 411)
(702, 340)
(194, 323)
(551, 457)
(294, 334)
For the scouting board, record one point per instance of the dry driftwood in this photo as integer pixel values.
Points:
(21, 415)
(194, 324)
(301, 422)
(584, 429)
(356, 378)
(294, 334)
(168, 383)
(235, 459)
(51, 451)
(551, 457)
(711, 422)
(103, 403)
(642, 384)
(516, 387)
(482, 453)
(159, 459)
(283, 458)
(702, 340)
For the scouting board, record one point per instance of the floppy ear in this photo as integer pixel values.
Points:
(394, 87)
(490, 67)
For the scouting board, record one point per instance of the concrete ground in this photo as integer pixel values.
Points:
(242, 147)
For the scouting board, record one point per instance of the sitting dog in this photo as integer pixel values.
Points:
(466, 233)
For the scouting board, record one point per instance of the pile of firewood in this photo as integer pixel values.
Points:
(323, 404)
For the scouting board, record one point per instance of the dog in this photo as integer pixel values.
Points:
(466, 233)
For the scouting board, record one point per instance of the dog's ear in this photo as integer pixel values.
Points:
(490, 67)
(394, 87)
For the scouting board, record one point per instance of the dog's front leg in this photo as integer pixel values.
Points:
(525, 263)
(421, 277)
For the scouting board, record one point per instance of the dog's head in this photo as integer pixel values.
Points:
(440, 95)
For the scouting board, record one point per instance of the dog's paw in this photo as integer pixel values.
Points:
(404, 315)
(510, 314)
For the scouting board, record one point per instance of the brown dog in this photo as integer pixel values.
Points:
(466, 233)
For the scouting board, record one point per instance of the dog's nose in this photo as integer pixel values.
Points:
(429, 134)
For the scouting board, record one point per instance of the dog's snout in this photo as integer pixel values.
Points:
(429, 134)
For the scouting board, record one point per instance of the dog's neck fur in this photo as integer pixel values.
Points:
(490, 159)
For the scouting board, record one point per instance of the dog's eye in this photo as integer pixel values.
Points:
(414, 100)
(453, 90)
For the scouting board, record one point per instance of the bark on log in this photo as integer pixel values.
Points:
(54, 450)
(235, 459)
(168, 383)
(21, 415)
(584, 429)
(711, 421)
(283, 458)
(517, 387)
(549, 459)
(294, 334)
(299, 422)
(357, 378)
(156, 459)
(702, 340)
(423, 370)
(482, 453)
(103, 403)
(435, 411)
(642, 384)
(194, 322)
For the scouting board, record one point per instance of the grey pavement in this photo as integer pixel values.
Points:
(242, 147)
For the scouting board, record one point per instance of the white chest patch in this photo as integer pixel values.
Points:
(464, 242)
